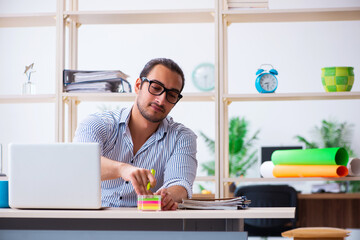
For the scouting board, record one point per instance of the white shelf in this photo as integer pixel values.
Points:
(205, 178)
(28, 20)
(39, 98)
(291, 96)
(292, 15)
(130, 97)
(304, 179)
(142, 17)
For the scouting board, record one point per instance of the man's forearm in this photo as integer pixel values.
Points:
(109, 169)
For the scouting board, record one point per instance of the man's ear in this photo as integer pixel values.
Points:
(137, 85)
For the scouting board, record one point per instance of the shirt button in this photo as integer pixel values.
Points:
(120, 198)
(127, 182)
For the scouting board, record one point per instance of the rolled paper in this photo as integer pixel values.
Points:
(310, 171)
(354, 167)
(321, 156)
(266, 169)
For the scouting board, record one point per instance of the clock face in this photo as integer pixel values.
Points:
(268, 82)
(203, 77)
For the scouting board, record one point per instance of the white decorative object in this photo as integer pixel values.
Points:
(28, 86)
(266, 169)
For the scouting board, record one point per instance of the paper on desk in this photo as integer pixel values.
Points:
(354, 167)
(322, 156)
(310, 171)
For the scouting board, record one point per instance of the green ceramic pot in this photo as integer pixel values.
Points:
(337, 79)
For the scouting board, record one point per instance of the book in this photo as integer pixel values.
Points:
(95, 81)
(216, 204)
(100, 86)
(76, 76)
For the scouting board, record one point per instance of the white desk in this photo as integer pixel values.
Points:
(125, 223)
(133, 213)
(133, 219)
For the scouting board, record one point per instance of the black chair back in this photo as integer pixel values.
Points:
(268, 196)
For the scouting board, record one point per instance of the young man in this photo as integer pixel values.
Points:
(143, 137)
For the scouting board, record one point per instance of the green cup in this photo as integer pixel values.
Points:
(337, 79)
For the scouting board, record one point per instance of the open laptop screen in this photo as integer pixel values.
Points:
(55, 176)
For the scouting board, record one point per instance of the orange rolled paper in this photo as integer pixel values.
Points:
(310, 171)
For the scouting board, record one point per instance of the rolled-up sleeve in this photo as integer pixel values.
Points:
(181, 167)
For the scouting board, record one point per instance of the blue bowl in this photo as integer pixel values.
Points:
(4, 194)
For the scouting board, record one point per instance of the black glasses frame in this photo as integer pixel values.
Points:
(144, 79)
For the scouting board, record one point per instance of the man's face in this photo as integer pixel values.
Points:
(156, 108)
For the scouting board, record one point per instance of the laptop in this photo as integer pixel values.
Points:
(55, 176)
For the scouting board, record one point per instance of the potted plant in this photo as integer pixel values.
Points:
(241, 155)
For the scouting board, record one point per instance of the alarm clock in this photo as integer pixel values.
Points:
(203, 77)
(266, 81)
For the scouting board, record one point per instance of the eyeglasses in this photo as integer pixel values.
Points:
(157, 88)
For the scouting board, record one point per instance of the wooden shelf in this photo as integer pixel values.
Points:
(130, 97)
(292, 15)
(142, 17)
(28, 20)
(304, 179)
(39, 98)
(329, 196)
(291, 96)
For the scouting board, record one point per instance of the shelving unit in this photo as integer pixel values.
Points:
(304, 179)
(291, 96)
(142, 17)
(44, 98)
(28, 20)
(220, 16)
(230, 16)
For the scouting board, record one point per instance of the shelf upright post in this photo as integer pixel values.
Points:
(223, 111)
(73, 64)
(217, 20)
(60, 61)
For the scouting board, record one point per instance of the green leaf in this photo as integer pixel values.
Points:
(239, 146)
(209, 142)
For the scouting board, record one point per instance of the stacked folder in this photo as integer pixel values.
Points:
(325, 162)
(216, 204)
(95, 81)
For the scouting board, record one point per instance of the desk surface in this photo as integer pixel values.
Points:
(133, 213)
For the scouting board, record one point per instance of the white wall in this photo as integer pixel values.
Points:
(297, 50)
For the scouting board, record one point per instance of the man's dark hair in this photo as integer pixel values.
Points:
(166, 62)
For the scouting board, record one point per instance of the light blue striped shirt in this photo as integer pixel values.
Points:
(171, 151)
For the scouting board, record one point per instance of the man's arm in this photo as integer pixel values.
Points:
(138, 177)
(171, 196)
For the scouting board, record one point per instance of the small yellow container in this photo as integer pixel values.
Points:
(149, 202)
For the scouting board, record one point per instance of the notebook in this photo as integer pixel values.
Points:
(55, 176)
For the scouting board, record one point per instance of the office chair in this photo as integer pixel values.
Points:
(268, 196)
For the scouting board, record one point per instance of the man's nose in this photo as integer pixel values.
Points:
(162, 98)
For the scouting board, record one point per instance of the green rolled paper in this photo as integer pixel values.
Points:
(321, 156)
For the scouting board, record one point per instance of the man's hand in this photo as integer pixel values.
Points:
(138, 177)
(167, 201)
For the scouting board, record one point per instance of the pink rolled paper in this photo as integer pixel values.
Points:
(354, 167)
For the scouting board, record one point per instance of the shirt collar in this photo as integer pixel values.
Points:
(160, 132)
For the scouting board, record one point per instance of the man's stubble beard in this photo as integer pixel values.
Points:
(146, 115)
